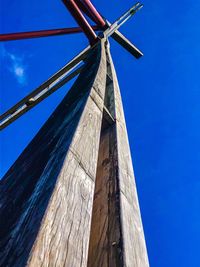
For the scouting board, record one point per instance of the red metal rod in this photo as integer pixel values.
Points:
(42, 33)
(80, 19)
(91, 12)
(89, 9)
(85, 10)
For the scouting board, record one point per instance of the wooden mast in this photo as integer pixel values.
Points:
(117, 237)
(70, 198)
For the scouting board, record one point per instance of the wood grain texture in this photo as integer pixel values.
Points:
(46, 196)
(117, 237)
(58, 207)
(134, 248)
(105, 239)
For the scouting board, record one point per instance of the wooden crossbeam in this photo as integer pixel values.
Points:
(68, 72)
(29, 103)
(125, 43)
(118, 36)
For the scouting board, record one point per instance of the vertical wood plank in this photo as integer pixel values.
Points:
(104, 249)
(134, 247)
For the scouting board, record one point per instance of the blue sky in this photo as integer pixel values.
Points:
(161, 95)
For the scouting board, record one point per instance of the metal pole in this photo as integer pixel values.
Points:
(42, 33)
(87, 7)
(80, 19)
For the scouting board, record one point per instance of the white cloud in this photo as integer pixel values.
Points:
(15, 64)
(19, 71)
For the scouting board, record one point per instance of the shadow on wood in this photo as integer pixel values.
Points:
(27, 188)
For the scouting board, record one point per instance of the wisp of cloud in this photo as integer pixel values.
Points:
(15, 65)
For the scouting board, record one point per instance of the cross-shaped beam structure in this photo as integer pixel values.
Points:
(73, 68)
(77, 8)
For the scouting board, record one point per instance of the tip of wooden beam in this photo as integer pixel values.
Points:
(123, 41)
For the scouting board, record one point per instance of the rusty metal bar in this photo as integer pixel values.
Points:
(80, 19)
(42, 33)
(88, 8)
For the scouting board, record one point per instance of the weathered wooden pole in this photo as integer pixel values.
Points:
(70, 198)
(117, 237)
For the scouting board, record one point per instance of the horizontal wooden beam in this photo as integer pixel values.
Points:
(112, 31)
(125, 43)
